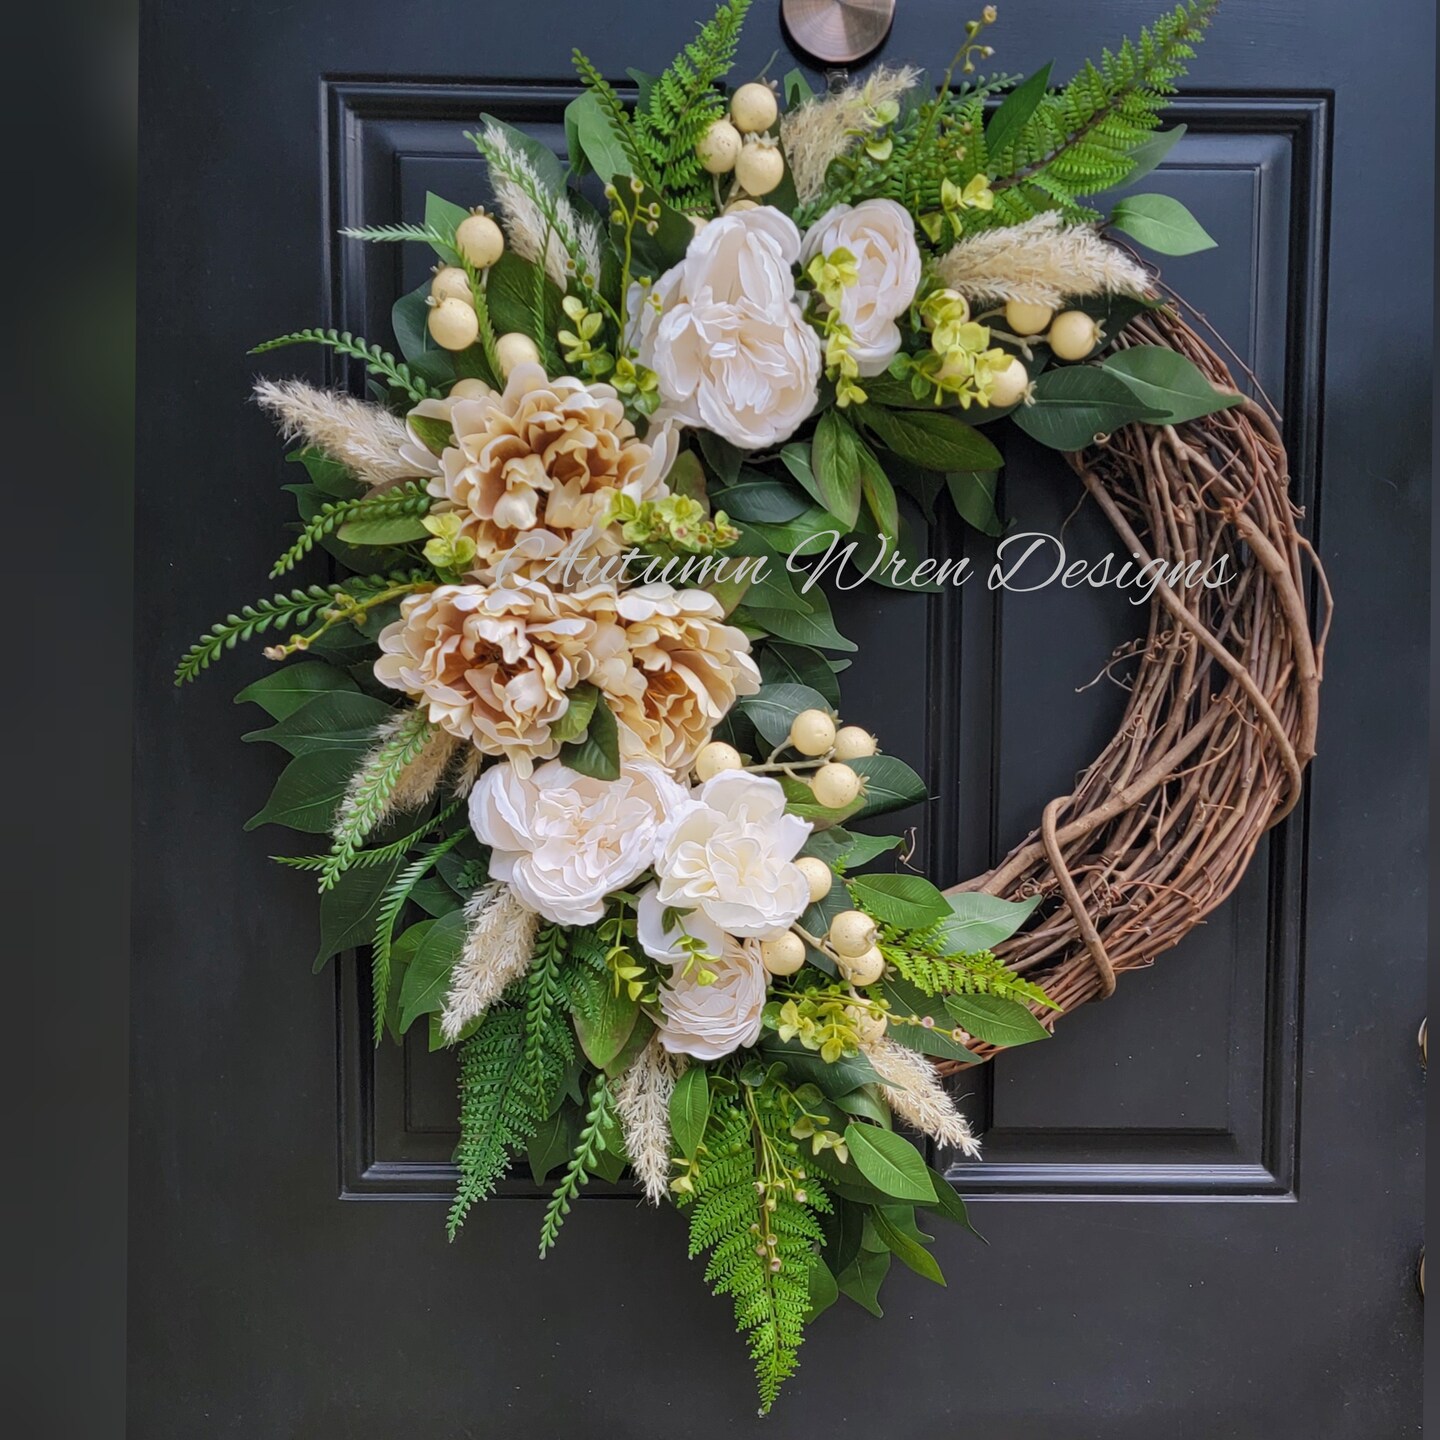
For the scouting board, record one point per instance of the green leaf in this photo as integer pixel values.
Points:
(833, 1077)
(835, 466)
(510, 293)
(427, 976)
(437, 435)
(909, 901)
(840, 847)
(890, 784)
(797, 88)
(757, 497)
(909, 1250)
(907, 999)
(1001, 1022)
(592, 136)
(721, 456)
(981, 922)
(1162, 224)
(285, 691)
(879, 493)
(782, 664)
(931, 438)
(889, 1162)
(349, 907)
(1075, 403)
(949, 1204)
(824, 1292)
(598, 754)
(605, 1022)
(815, 627)
(1169, 383)
(336, 719)
(690, 1110)
(773, 708)
(1151, 152)
(862, 1277)
(1004, 126)
(398, 531)
(552, 1143)
(308, 792)
(972, 492)
(443, 216)
(578, 712)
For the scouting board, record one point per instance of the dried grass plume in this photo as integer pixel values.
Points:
(365, 439)
(643, 1102)
(822, 129)
(915, 1093)
(498, 947)
(1040, 262)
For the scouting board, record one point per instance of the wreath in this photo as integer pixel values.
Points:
(570, 716)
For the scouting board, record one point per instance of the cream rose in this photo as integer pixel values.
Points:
(881, 236)
(723, 332)
(704, 1021)
(564, 841)
(728, 852)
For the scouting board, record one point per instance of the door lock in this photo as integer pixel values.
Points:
(839, 32)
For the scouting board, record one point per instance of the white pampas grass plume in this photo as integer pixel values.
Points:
(467, 773)
(421, 778)
(643, 1102)
(540, 225)
(365, 439)
(1043, 261)
(822, 129)
(914, 1093)
(498, 946)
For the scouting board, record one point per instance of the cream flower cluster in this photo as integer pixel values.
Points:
(725, 334)
(494, 664)
(537, 465)
(723, 859)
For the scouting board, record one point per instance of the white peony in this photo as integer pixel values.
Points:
(723, 332)
(704, 1021)
(564, 841)
(881, 236)
(728, 852)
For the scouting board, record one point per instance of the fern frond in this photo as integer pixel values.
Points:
(394, 504)
(684, 103)
(588, 1149)
(375, 359)
(500, 1105)
(615, 113)
(424, 234)
(367, 799)
(760, 1256)
(296, 608)
(920, 957)
(544, 994)
(386, 916)
(381, 854)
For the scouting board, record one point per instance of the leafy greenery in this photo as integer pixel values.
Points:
(501, 1102)
(760, 1228)
(403, 501)
(681, 106)
(588, 1150)
(376, 360)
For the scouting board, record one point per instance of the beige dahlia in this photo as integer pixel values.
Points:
(681, 671)
(536, 464)
(492, 664)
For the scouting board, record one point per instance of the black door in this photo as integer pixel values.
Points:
(1202, 1199)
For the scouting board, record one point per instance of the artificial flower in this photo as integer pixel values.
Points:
(724, 333)
(564, 841)
(709, 1006)
(684, 669)
(882, 265)
(492, 664)
(541, 461)
(728, 852)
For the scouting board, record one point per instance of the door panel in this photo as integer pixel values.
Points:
(1169, 1244)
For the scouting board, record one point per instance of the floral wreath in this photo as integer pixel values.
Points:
(569, 720)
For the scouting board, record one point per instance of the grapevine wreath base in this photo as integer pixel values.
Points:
(1223, 705)
(603, 830)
